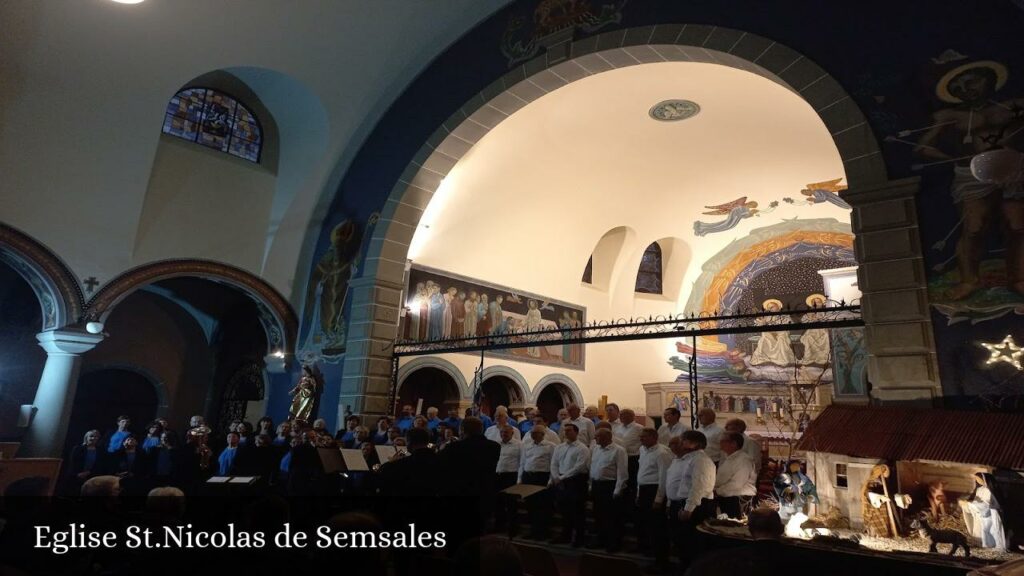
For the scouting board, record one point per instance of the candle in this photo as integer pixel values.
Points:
(759, 412)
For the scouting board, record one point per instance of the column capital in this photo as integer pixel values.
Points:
(68, 341)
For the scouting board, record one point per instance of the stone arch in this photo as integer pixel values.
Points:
(557, 378)
(54, 284)
(439, 363)
(521, 391)
(276, 314)
(579, 59)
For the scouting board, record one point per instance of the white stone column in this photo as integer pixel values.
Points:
(56, 393)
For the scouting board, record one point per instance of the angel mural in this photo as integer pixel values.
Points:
(827, 191)
(735, 212)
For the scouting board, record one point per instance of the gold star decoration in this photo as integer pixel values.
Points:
(1005, 351)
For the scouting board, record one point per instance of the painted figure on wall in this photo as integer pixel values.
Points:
(497, 317)
(773, 347)
(533, 323)
(976, 120)
(815, 340)
(436, 303)
(328, 291)
(734, 212)
(827, 191)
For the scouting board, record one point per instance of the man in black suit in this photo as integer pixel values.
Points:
(409, 488)
(468, 480)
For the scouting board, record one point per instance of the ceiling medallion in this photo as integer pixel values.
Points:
(674, 110)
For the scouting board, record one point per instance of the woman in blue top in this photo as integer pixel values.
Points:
(153, 434)
(227, 458)
(380, 435)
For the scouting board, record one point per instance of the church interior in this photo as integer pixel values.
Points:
(492, 268)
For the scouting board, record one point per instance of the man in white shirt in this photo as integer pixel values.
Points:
(673, 478)
(627, 433)
(584, 425)
(507, 473)
(695, 494)
(549, 435)
(750, 446)
(736, 478)
(609, 472)
(653, 465)
(711, 431)
(611, 414)
(672, 427)
(570, 465)
(500, 420)
(535, 469)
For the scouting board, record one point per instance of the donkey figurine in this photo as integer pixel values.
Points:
(951, 537)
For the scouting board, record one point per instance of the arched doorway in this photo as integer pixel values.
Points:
(500, 390)
(553, 398)
(106, 393)
(434, 386)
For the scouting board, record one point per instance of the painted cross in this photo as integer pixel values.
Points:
(90, 284)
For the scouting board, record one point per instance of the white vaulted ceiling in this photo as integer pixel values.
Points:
(85, 84)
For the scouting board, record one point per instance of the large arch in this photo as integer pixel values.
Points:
(557, 378)
(455, 137)
(439, 363)
(55, 285)
(387, 252)
(276, 314)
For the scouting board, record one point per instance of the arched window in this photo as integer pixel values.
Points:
(215, 120)
(588, 272)
(648, 278)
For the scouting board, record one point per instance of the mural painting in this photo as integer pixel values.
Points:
(328, 289)
(442, 305)
(553, 22)
(741, 209)
(976, 270)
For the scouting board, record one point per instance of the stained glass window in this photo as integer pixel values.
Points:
(648, 278)
(215, 120)
(588, 272)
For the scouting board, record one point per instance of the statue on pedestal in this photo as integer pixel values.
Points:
(306, 396)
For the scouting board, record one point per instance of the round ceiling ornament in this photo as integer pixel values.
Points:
(674, 110)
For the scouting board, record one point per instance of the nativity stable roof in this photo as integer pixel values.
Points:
(893, 433)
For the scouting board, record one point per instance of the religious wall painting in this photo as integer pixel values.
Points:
(849, 362)
(976, 270)
(552, 22)
(778, 274)
(442, 305)
(740, 209)
(327, 293)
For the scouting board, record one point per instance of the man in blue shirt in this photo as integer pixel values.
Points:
(405, 421)
(556, 426)
(475, 412)
(117, 438)
(453, 421)
(432, 421)
(527, 423)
